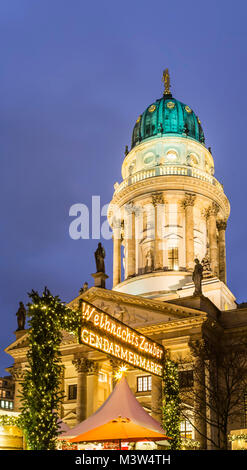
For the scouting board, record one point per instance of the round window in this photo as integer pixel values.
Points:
(149, 158)
(170, 105)
(193, 159)
(172, 155)
(152, 108)
(187, 108)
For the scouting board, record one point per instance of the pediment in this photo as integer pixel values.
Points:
(19, 343)
(23, 342)
(134, 310)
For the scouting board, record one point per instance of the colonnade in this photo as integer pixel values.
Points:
(217, 249)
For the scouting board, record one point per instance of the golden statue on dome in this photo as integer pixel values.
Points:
(166, 81)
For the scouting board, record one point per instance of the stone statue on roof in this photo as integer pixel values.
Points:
(166, 81)
(21, 317)
(197, 277)
(100, 259)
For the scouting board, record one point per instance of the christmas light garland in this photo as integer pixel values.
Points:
(171, 405)
(6, 420)
(236, 437)
(41, 391)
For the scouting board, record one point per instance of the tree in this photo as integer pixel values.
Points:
(41, 391)
(171, 407)
(220, 382)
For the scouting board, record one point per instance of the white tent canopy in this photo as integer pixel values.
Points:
(62, 426)
(121, 402)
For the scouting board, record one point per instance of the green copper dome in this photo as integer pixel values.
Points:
(167, 116)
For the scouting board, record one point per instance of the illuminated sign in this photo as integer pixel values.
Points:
(105, 333)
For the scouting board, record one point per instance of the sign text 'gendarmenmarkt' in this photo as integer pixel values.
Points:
(105, 333)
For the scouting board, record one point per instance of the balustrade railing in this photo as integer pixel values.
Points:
(168, 170)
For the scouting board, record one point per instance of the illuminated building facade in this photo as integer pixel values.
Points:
(6, 393)
(168, 210)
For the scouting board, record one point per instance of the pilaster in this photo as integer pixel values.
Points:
(158, 201)
(83, 367)
(130, 240)
(221, 226)
(156, 398)
(18, 374)
(188, 205)
(116, 253)
(212, 235)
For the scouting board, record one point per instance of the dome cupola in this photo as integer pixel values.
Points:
(169, 209)
(167, 116)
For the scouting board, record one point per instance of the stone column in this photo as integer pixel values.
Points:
(166, 223)
(221, 226)
(212, 235)
(157, 200)
(131, 241)
(143, 236)
(156, 398)
(144, 222)
(92, 387)
(116, 253)
(115, 364)
(83, 366)
(188, 205)
(18, 374)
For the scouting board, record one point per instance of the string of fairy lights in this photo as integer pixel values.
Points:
(41, 392)
(171, 403)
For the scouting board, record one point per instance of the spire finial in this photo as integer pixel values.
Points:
(166, 81)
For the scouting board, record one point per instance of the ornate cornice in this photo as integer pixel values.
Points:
(116, 224)
(22, 341)
(213, 209)
(221, 224)
(189, 200)
(180, 325)
(204, 213)
(158, 306)
(157, 198)
(84, 365)
(167, 183)
(115, 364)
(17, 372)
(130, 208)
(197, 344)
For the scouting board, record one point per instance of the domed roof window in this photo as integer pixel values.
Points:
(149, 158)
(172, 156)
(193, 159)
